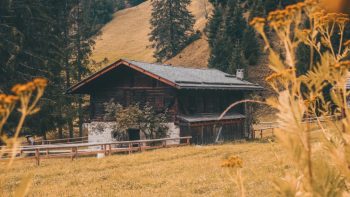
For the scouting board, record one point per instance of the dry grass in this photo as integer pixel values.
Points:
(126, 36)
(195, 55)
(185, 171)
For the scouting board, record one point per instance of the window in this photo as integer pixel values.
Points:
(159, 102)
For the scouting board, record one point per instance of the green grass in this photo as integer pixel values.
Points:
(184, 171)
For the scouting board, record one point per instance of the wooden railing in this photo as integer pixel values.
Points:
(62, 141)
(267, 128)
(39, 152)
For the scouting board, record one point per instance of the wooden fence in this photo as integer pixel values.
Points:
(62, 141)
(39, 152)
(266, 129)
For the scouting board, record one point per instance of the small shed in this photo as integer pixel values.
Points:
(194, 99)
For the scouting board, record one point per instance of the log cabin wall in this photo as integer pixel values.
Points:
(207, 134)
(208, 101)
(127, 86)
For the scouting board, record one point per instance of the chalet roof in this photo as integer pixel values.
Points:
(178, 77)
(209, 117)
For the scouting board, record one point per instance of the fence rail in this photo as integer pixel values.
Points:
(39, 152)
(269, 127)
(62, 141)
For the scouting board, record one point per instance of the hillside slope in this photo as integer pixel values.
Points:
(126, 36)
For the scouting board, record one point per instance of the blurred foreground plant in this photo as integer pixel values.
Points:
(27, 95)
(235, 163)
(321, 152)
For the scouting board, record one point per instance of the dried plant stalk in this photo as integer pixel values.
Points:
(320, 156)
(28, 96)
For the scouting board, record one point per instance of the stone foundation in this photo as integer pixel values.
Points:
(173, 132)
(100, 131)
(103, 132)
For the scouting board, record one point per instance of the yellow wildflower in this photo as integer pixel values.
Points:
(20, 89)
(10, 99)
(258, 23)
(40, 82)
(2, 97)
(257, 20)
(232, 162)
(273, 76)
(347, 43)
(345, 63)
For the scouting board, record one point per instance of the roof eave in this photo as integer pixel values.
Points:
(75, 88)
(253, 88)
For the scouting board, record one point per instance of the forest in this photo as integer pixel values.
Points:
(53, 40)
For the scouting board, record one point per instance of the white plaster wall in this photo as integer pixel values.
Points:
(173, 132)
(100, 131)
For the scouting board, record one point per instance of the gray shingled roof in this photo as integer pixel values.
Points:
(196, 78)
(181, 77)
(209, 117)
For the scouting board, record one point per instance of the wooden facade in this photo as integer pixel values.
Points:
(127, 85)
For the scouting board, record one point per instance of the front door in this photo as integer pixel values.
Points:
(134, 134)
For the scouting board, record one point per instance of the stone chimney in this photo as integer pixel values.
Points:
(240, 74)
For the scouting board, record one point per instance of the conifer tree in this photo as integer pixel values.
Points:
(135, 2)
(233, 43)
(172, 27)
(51, 39)
(215, 26)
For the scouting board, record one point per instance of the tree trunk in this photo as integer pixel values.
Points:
(79, 65)
(44, 134)
(60, 132)
(80, 111)
(70, 128)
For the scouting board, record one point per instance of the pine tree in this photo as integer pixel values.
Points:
(256, 8)
(32, 49)
(51, 39)
(215, 25)
(172, 27)
(232, 42)
(135, 2)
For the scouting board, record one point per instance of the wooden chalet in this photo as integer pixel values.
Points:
(194, 98)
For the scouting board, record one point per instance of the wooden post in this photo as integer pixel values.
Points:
(73, 153)
(202, 135)
(105, 148)
(187, 141)
(261, 133)
(37, 156)
(47, 152)
(164, 144)
(140, 146)
(130, 147)
(110, 149)
(76, 153)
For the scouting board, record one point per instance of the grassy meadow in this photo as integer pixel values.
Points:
(183, 171)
